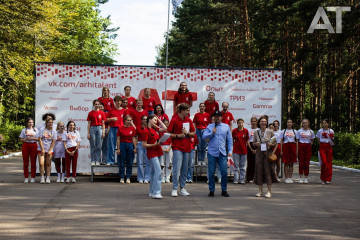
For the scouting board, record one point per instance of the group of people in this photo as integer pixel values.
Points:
(165, 147)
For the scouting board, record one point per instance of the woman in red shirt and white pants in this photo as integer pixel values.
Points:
(240, 137)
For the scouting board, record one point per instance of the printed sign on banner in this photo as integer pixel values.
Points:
(68, 91)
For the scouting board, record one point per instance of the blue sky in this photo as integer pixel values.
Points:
(142, 26)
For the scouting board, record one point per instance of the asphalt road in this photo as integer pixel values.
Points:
(107, 209)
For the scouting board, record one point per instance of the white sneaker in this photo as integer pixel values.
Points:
(167, 180)
(306, 181)
(236, 182)
(163, 180)
(122, 180)
(62, 180)
(97, 163)
(286, 180)
(47, 180)
(26, 180)
(93, 163)
(219, 181)
(268, 195)
(42, 180)
(128, 180)
(150, 195)
(146, 182)
(108, 164)
(174, 193)
(73, 180)
(58, 180)
(183, 192)
(68, 180)
(301, 181)
(141, 181)
(32, 180)
(259, 194)
(290, 180)
(157, 196)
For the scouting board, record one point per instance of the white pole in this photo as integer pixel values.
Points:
(167, 53)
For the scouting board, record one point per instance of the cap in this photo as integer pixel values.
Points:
(217, 113)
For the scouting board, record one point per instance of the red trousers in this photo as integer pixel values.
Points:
(29, 150)
(289, 153)
(304, 158)
(326, 155)
(60, 164)
(71, 160)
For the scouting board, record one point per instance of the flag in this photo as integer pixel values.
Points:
(175, 4)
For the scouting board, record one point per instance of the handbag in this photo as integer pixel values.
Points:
(272, 158)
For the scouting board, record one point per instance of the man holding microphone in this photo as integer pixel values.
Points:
(219, 149)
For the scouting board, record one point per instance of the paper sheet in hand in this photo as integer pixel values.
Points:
(186, 126)
(164, 137)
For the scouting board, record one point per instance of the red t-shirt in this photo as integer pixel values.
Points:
(120, 117)
(95, 117)
(202, 120)
(131, 102)
(106, 124)
(210, 108)
(175, 127)
(162, 117)
(126, 133)
(168, 141)
(148, 103)
(136, 115)
(227, 117)
(240, 138)
(194, 141)
(108, 103)
(151, 137)
(182, 98)
(141, 132)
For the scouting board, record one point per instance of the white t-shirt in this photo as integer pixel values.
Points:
(47, 136)
(25, 133)
(289, 136)
(59, 145)
(305, 136)
(71, 139)
(277, 135)
(325, 138)
(251, 134)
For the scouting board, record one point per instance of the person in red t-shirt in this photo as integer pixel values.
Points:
(194, 142)
(96, 132)
(115, 120)
(183, 96)
(106, 100)
(181, 129)
(138, 112)
(104, 146)
(126, 145)
(148, 101)
(154, 152)
(227, 116)
(131, 103)
(211, 104)
(201, 121)
(166, 160)
(160, 114)
(141, 158)
(240, 137)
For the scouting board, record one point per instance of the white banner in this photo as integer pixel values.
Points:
(68, 91)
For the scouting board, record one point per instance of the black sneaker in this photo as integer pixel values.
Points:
(211, 194)
(224, 194)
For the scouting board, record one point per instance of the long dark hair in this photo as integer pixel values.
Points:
(27, 120)
(162, 109)
(147, 122)
(180, 91)
(68, 124)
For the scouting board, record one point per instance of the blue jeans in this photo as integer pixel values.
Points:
(191, 165)
(180, 167)
(104, 149)
(218, 172)
(142, 159)
(95, 143)
(201, 146)
(150, 112)
(111, 145)
(155, 181)
(222, 161)
(240, 162)
(126, 157)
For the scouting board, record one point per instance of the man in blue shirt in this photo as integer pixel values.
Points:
(220, 138)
